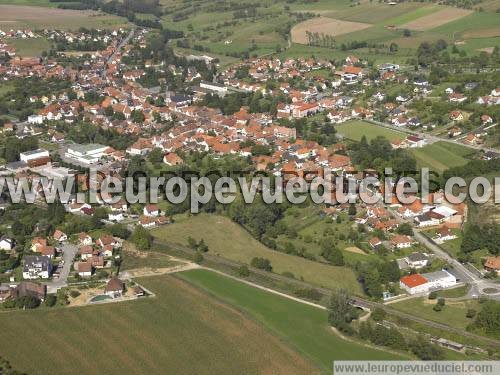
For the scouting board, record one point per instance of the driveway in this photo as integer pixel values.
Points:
(69, 253)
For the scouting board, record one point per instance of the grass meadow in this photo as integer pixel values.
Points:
(231, 241)
(356, 129)
(305, 327)
(453, 313)
(441, 155)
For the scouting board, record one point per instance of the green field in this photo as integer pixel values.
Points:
(373, 12)
(453, 313)
(133, 260)
(30, 47)
(301, 325)
(180, 331)
(231, 241)
(355, 130)
(442, 155)
(41, 3)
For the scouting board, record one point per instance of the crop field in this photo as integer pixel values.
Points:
(437, 19)
(231, 241)
(40, 17)
(301, 325)
(473, 22)
(374, 12)
(327, 26)
(412, 15)
(355, 130)
(440, 156)
(40, 3)
(157, 335)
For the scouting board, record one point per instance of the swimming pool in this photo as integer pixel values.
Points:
(100, 297)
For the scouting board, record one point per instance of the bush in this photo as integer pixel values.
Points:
(74, 293)
(308, 293)
(198, 257)
(378, 314)
(243, 271)
(471, 313)
(51, 300)
(262, 264)
(433, 295)
(27, 302)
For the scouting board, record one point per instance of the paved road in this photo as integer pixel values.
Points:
(478, 284)
(69, 253)
(358, 301)
(118, 49)
(432, 138)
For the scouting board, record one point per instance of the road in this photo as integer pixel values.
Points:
(69, 253)
(478, 284)
(118, 49)
(432, 138)
(357, 301)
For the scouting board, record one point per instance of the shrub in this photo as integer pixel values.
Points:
(243, 271)
(74, 293)
(51, 300)
(262, 264)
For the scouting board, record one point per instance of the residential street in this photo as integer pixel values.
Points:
(69, 253)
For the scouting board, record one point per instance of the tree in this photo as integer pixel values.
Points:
(137, 116)
(425, 350)
(27, 302)
(433, 295)
(156, 156)
(340, 311)
(352, 210)
(50, 300)
(471, 313)
(405, 229)
(198, 258)
(262, 264)
(192, 243)
(141, 238)
(378, 314)
(202, 246)
(243, 271)
(488, 318)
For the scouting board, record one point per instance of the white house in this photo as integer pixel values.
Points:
(6, 243)
(33, 155)
(417, 260)
(217, 87)
(84, 239)
(427, 282)
(116, 216)
(401, 241)
(36, 267)
(84, 269)
(444, 234)
(60, 236)
(86, 154)
(35, 119)
(151, 210)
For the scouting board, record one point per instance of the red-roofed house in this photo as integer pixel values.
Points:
(414, 283)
